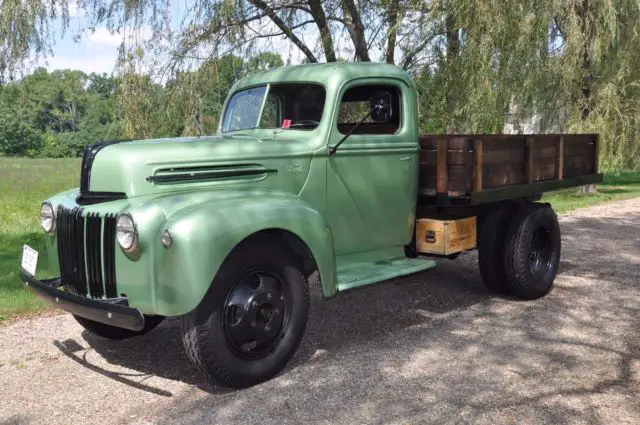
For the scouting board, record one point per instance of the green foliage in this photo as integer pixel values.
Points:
(151, 110)
(572, 65)
(17, 138)
(24, 183)
(25, 29)
(56, 114)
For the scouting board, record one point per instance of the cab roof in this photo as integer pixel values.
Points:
(331, 75)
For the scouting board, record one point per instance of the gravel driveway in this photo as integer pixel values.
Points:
(430, 348)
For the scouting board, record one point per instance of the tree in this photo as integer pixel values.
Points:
(17, 138)
(572, 63)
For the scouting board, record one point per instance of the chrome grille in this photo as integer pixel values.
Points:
(86, 252)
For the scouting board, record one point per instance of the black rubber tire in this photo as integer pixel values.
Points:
(112, 332)
(522, 282)
(203, 334)
(491, 249)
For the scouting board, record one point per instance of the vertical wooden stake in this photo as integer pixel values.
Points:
(530, 159)
(596, 153)
(560, 159)
(441, 167)
(477, 165)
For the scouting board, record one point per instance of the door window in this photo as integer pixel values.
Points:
(355, 105)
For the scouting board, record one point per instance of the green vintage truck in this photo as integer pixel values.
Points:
(314, 169)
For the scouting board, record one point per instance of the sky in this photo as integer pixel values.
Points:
(94, 52)
(97, 51)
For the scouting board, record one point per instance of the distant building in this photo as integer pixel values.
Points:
(518, 125)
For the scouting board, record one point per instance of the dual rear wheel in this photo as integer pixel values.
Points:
(519, 250)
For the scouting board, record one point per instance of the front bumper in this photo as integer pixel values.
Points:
(110, 311)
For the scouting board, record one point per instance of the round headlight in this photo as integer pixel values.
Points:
(126, 233)
(47, 217)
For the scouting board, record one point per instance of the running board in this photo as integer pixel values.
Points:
(359, 274)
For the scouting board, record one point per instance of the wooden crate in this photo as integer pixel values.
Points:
(445, 237)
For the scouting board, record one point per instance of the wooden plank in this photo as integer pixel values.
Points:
(459, 178)
(576, 165)
(560, 159)
(500, 144)
(505, 174)
(544, 170)
(596, 153)
(497, 157)
(548, 153)
(428, 177)
(530, 158)
(477, 165)
(441, 173)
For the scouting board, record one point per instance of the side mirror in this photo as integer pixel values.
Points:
(381, 108)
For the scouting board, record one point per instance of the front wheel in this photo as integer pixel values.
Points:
(252, 320)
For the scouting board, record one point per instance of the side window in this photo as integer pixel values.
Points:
(355, 105)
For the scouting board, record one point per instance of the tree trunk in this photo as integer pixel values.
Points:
(317, 12)
(453, 49)
(392, 19)
(260, 4)
(588, 34)
(356, 30)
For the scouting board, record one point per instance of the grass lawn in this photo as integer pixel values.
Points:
(25, 183)
(616, 186)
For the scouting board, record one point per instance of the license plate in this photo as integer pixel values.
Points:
(29, 260)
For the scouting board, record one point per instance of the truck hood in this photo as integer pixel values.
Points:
(137, 168)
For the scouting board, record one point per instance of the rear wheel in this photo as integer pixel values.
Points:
(112, 332)
(253, 318)
(491, 250)
(532, 252)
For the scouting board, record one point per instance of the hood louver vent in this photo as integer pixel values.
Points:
(208, 172)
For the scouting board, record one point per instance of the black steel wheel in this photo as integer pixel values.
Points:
(540, 251)
(532, 252)
(256, 314)
(112, 332)
(253, 317)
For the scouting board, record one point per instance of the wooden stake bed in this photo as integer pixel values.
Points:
(475, 169)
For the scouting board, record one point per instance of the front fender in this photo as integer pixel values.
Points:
(205, 234)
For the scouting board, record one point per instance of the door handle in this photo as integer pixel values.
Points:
(405, 158)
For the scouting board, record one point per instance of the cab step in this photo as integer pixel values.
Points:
(359, 274)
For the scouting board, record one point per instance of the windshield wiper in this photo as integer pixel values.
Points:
(354, 128)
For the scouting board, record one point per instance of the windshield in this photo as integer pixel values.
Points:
(275, 106)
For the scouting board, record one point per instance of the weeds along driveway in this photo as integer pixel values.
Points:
(430, 348)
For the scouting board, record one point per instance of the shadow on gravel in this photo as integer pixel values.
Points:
(436, 348)
(394, 354)
(334, 325)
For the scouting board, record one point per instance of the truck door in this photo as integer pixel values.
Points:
(372, 176)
